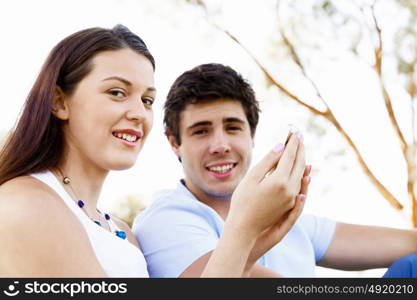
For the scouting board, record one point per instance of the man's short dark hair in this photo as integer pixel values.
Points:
(206, 83)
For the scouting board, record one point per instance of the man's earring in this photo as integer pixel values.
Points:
(179, 158)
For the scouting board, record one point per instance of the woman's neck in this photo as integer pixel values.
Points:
(86, 180)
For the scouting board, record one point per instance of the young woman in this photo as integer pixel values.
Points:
(89, 112)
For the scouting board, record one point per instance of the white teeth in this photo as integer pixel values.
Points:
(125, 136)
(221, 169)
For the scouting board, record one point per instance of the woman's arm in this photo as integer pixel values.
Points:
(40, 236)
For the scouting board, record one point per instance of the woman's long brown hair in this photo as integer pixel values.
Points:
(37, 143)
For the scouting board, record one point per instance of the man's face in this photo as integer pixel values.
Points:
(216, 146)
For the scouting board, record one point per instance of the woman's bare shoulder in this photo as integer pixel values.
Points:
(25, 186)
(34, 218)
(26, 195)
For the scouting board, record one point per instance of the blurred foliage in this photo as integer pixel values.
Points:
(312, 37)
(349, 25)
(128, 208)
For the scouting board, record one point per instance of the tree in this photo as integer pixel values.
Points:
(128, 207)
(385, 42)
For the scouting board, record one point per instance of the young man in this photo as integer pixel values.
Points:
(211, 116)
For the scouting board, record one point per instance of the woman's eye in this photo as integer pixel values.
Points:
(117, 93)
(148, 101)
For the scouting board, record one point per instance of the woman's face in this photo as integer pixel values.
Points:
(109, 114)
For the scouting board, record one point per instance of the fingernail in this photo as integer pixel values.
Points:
(299, 136)
(279, 148)
(308, 179)
(292, 128)
(302, 197)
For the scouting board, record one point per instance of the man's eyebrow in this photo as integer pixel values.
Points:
(127, 82)
(201, 123)
(233, 120)
(208, 123)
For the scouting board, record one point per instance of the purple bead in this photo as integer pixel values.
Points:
(80, 203)
(107, 217)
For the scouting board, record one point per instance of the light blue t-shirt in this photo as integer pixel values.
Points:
(177, 229)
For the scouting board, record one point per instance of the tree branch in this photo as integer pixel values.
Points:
(297, 61)
(331, 118)
(326, 114)
(412, 91)
(379, 186)
(387, 99)
(271, 79)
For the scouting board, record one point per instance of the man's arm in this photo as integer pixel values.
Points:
(264, 242)
(197, 267)
(359, 247)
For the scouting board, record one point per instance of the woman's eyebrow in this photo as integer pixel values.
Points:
(125, 81)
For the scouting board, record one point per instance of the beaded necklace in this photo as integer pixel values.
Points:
(121, 234)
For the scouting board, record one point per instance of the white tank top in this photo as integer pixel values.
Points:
(118, 257)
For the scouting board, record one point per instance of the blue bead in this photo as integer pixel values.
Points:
(121, 234)
(107, 216)
(97, 222)
(80, 203)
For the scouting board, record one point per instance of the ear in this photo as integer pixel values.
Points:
(175, 147)
(60, 105)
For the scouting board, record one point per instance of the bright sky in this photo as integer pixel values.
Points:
(179, 38)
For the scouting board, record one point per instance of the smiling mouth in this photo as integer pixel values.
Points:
(125, 136)
(221, 169)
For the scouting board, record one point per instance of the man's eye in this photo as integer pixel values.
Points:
(199, 132)
(148, 101)
(234, 128)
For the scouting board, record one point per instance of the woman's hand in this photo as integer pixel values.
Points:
(261, 200)
(274, 234)
(269, 190)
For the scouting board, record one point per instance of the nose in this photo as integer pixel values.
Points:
(219, 143)
(136, 111)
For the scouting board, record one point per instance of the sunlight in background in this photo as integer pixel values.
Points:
(180, 38)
